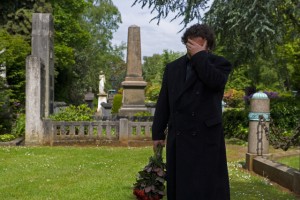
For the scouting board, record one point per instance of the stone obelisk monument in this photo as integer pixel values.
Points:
(134, 84)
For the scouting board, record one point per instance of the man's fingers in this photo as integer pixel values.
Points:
(205, 44)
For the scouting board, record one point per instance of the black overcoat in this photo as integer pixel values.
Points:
(192, 111)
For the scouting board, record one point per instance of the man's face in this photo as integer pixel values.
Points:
(198, 40)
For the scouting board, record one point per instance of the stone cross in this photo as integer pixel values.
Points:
(134, 84)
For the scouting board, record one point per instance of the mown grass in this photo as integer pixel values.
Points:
(291, 161)
(105, 173)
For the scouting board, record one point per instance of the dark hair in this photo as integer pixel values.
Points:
(200, 30)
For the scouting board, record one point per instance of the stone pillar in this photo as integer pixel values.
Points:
(34, 101)
(134, 84)
(42, 47)
(258, 142)
(123, 132)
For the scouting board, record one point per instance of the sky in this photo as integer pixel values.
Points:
(154, 38)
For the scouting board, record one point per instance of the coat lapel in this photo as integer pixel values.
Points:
(181, 85)
(179, 78)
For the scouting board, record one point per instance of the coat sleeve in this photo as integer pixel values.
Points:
(212, 72)
(162, 111)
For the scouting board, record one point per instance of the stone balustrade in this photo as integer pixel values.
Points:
(85, 132)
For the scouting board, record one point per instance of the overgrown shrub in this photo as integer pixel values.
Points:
(285, 113)
(117, 103)
(6, 137)
(74, 113)
(18, 128)
(234, 98)
(142, 114)
(235, 123)
(5, 111)
(152, 92)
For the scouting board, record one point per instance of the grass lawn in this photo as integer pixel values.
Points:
(291, 161)
(105, 173)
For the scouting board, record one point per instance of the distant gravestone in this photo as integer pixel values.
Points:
(89, 98)
(134, 84)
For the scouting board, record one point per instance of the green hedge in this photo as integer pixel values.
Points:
(18, 129)
(285, 113)
(117, 103)
(235, 123)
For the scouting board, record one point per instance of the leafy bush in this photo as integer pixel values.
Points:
(117, 103)
(6, 137)
(5, 111)
(235, 123)
(234, 98)
(74, 113)
(152, 92)
(142, 114)
(18, 128)
(285, 113)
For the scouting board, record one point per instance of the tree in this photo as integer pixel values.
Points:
(16, 15)
(83, 31)
(13, 59)
(245, 28)
(102, 20)
(153, 69)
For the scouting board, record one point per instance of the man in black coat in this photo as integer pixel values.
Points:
(189, 104)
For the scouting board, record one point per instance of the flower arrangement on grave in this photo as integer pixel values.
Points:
(150, 181)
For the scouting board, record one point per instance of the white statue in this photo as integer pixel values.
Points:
(101, 83)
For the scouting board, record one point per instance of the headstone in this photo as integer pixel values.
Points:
(258, 142)
(134, 84)
(59, 106)
(89, 98)
(42, 47)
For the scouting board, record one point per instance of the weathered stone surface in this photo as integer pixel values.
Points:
(34, 101)
(258, 142)
(42, 47)
(134, 85)
(279, 173)
(260, 105)
(134, 64)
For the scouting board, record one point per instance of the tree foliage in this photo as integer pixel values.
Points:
(153, 69)
(245, 28)
(82, 42)
(13, 60)
(82, 48)
(84, 32)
